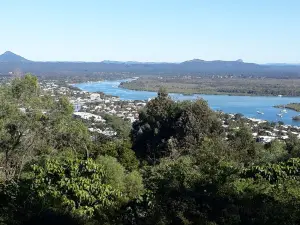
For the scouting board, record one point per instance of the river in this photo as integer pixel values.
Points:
(246, 105)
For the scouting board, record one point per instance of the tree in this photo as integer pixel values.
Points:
(274, 189)
(121, 150)
(51, 166)
(20, 123)
(75, 187)
(238, 116)
(162, 92)
(25, 88)
(196, 122)
(121, 126)
(130, 183)
(272, 152)
(186, 193)
(153, 129)
(244, 145)
(168, 128)
(293, 145)
(32, 125)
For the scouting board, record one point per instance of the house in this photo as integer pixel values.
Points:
(265, 139)
(88, 116)
(95, 96)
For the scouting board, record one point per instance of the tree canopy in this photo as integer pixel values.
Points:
(175, 165)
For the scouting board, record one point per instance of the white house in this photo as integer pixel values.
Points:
(95, 96)
(88, 116)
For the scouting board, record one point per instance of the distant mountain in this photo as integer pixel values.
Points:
(10, 62)
(11, 57)
(112, 62)
(194, 61)
(283, 64)
(129, 62)
(222, 67)
(200, 61)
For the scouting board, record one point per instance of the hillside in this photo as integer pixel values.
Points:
(178, 163)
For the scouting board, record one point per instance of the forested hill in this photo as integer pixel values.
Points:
(10, 62)
(180, 163)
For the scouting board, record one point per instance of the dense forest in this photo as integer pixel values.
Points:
(219, 85)
(293, 106)
(175, 165)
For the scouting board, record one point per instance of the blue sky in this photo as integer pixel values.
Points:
(152, 30)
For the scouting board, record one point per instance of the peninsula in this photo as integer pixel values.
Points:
(291, 106)
(217, 85)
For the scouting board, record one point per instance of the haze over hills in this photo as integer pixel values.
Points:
(10, 62)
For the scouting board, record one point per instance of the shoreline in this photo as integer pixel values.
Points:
(248, 114)
(291, 106)
(207, 93)
(182, 93)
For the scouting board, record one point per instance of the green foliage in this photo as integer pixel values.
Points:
(293, 146)
(129, 183)
(273, 188)
(276, 172)
(76, 186)
(134, 187)
(273, 152)
(32, 125)
(64, 107)
(212, 152)
(24, 88)
(162, 92)
(18, 132)
(17, 202)
(293, 106)
(244, 145)
(214, 85)
(170, 181)
(121, 150)
(173, 175)
(187, 194)
(115, 172)
(196, 173)
(155, 126)
(197, 121)
(121, 126)
(168, 128)
(71, 134)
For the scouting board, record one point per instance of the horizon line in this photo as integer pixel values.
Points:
(149, 62)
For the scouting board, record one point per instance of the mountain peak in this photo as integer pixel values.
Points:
(8, 53)
(9, 56)
(196, 60)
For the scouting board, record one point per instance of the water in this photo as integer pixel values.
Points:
(246, 105)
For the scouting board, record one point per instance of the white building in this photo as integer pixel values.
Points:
(95, 96)
(88, 116)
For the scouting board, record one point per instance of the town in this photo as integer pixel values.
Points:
(93, 108)
(263, 131)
